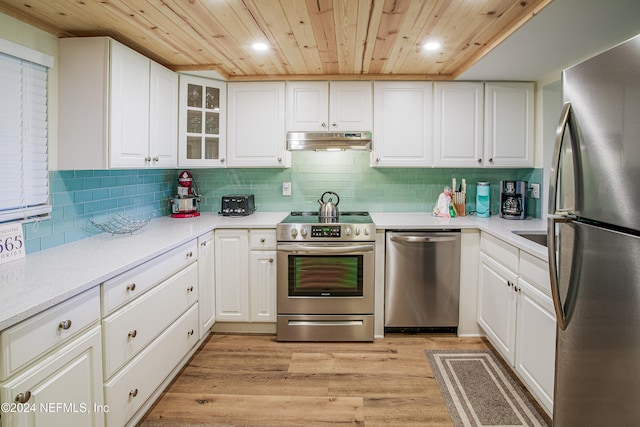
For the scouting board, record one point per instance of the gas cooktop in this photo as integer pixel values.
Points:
(347, 226)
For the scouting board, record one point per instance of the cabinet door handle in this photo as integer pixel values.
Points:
(222, 160)
(479, 160)
(271, 260)
(324, 125)
(147, 159)
(190, 289)
(131, 287)
(334, 124)
(64, 325)
(133, 334)
(491, 160)
(23, 397)
(262, 240)
(189, 254)
(190, 333)
(156, 159)
(133, 393)
(203, 243)
(279, 159)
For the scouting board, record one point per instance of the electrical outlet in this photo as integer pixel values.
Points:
(286, 188)
(535, 191)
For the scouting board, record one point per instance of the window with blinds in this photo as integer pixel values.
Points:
(24, 179)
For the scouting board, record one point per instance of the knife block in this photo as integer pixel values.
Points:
(459, 200)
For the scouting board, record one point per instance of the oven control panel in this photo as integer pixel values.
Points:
(326, 232)
(333, 231)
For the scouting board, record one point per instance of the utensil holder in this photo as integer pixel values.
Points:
(460, 202)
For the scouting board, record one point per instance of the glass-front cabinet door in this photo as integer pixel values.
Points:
(202, 124)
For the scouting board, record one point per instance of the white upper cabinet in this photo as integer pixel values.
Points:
(458, 126)
(129, 107)
(202, 122)
(163, 123)
(114, 105)
(257, 125)
(307, 106)
(329, 106)
(403, 124)
(350, 106)
(509, 121)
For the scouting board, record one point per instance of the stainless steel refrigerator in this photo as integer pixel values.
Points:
(594, 242)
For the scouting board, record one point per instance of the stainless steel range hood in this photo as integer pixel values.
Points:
(327, 141)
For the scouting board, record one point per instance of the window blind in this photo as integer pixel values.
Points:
(24, 179)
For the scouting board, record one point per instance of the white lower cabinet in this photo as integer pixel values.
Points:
(232, 275)
(263, 276)
(245, 271)
(103, 356)
(51, 370)
(131, 328)
(206, 283)
(536, 335)
(516, 313)
(535, 342)
(153, 329)
(497, 306)
(63, 389)
(129, 389)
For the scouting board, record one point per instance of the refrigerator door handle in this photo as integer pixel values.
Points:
(557, 150)
(561, 315)
(567, 123)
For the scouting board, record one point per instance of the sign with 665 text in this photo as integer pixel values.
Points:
(11, 242)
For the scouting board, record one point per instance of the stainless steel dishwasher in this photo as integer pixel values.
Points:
(422, 286)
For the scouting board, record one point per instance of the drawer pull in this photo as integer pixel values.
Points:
(64, 325)
(133, 334)
(190, 333)
(133, 393)
(262, 240)
(190, 289)
(189, 254)
(23, 397)
(131, 287)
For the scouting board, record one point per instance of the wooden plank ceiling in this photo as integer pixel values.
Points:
(348, 39)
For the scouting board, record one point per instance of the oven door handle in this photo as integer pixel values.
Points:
(325, 249)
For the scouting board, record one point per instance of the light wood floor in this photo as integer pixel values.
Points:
(252, 380)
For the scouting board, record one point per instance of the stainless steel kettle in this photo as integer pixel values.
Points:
(328, 209)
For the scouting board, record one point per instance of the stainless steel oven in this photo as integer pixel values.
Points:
(325, 280)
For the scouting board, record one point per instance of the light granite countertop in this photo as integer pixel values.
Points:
(501, 228)
(43, 279)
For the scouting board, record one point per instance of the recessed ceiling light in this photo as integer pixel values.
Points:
(260, 46)
(431, 45)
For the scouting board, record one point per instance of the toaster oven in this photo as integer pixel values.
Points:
(238, 205)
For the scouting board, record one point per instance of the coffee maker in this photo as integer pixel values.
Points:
(513, 199)
(185, 203)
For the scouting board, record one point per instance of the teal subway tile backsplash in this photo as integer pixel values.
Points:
(360, 187)
(78, 196)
